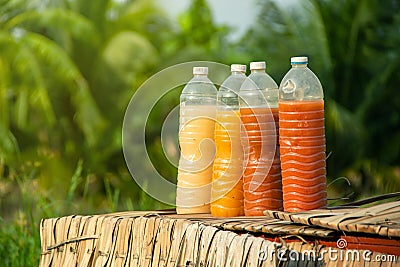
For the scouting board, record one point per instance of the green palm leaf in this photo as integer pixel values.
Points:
(88, 116)
(60, 25)
(289, 29)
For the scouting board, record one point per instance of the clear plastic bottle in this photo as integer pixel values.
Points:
(302, 138)
(259, 114)
(196, 139)
(227, 187)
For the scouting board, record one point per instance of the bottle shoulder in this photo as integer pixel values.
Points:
(261, 81)
(232, 83)
(200, 85)
(300, 84)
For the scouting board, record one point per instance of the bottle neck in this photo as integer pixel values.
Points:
(258, 71)
(299, 65)
(237, 73)
(200, 75)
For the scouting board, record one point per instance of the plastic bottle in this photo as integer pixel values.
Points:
(227, 187)
(196, 139)
(259, 114)
(302, 138)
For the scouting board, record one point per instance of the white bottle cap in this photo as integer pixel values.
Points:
(238, 67)
(200, 70)
(260, 65)
(298, 60)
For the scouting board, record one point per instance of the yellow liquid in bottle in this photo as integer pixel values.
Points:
(196, 139)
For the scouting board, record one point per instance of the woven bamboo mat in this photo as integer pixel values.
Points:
(263, 225)
(163, 238)
(382, 220)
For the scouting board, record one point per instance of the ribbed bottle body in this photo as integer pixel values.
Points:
(302, 139)
(227, 185)
(196, 140)
(259, 115)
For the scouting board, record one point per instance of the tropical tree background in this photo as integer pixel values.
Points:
(68, 69)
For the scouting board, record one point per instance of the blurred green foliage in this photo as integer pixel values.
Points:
(68, 69)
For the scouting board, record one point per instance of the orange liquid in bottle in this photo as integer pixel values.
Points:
(302, 148)
(227, 188)
(262, 173)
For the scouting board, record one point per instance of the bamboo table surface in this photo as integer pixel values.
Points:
(163, 238)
